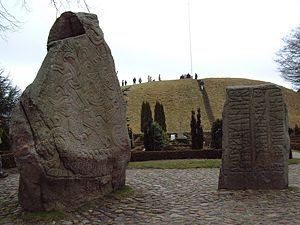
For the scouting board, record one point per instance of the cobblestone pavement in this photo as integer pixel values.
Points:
(174, 197)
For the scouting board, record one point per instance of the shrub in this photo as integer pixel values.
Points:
(146, 116)
(166, 138)
(216, 134)
(153, 137)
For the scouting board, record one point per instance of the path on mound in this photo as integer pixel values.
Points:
(174, 196)
(208, 109)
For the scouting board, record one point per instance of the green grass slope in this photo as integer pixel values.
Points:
(179, 97)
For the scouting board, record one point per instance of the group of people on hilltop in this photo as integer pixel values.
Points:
(134, 80)
(183, 76)
(124, 82)
(188, 76)
(150, 78)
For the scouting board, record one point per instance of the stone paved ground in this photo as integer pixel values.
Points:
(176, 197)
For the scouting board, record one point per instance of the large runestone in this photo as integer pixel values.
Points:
(68, 131)
(255, 139)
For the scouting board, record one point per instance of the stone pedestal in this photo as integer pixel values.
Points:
(255, 139)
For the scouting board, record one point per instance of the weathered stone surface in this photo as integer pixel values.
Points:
(69, 129)
(255, 139)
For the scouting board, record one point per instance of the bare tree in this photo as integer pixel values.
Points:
(288, 58)
(9, 22)
(61, 4)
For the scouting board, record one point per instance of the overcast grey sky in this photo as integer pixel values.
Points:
(232, 38)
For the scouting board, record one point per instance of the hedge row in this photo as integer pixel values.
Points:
(295, 146)
(184, 154)
(8, 160)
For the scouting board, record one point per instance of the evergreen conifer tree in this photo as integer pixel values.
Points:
(193, 130)
(146, 116)
(9, 96)
(157, 113)
(143, 117)
(297, 130)
(199, 131)
(163, 118)
(159, 116)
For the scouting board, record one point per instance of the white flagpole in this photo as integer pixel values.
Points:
(190, 38)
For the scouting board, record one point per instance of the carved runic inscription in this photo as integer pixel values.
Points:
(255, 139)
